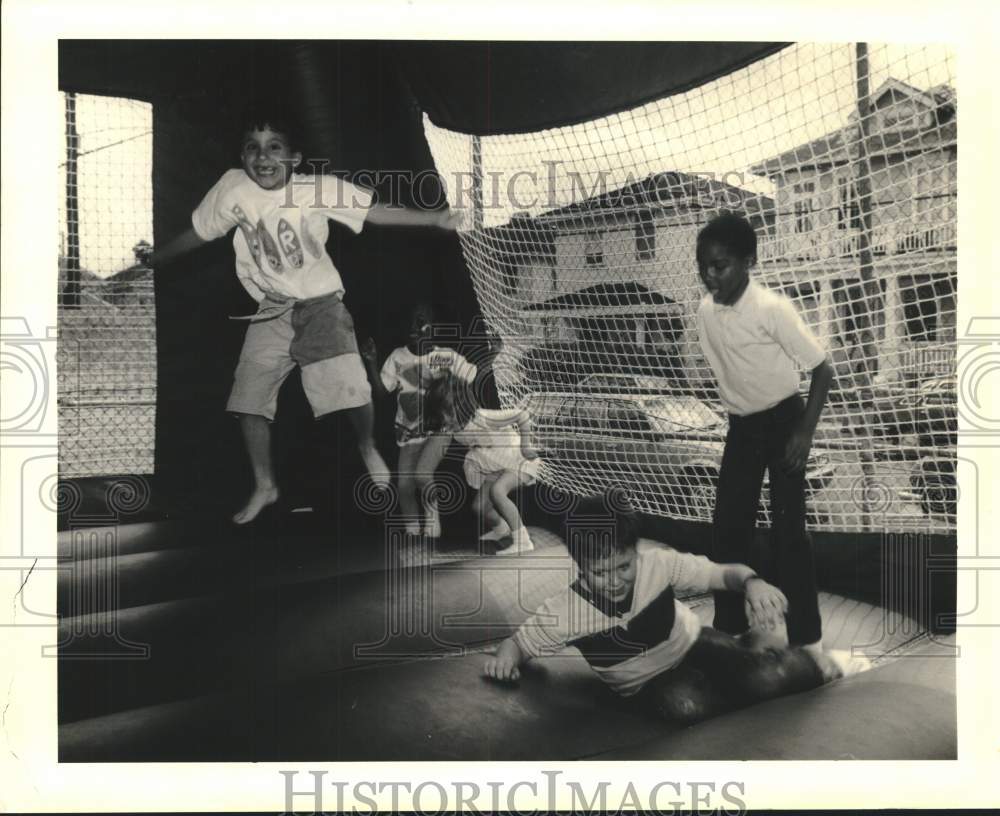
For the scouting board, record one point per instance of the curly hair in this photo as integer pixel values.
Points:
(448, 404)
(277, 116)
(732, 231)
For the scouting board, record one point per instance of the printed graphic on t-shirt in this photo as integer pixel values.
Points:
(270, 248)
(290, 244)
(249, 232)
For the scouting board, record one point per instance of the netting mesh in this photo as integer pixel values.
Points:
(582, 251)
(107, 343)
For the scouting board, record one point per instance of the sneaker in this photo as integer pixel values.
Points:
(520, 543)
(502, 530)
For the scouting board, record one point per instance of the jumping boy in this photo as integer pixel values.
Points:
(623, 616)
(281, 220)
(754, 339)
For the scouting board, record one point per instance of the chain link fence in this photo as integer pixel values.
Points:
(106, 355)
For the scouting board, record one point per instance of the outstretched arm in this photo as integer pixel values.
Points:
(181, 245)
(505, 665)
(386, 216)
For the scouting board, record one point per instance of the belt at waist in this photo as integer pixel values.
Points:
(272, 307)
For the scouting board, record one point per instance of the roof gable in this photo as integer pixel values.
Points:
(901, 114)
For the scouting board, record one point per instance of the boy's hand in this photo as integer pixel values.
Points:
(528, 452)
(503, 668)
(797, 450)
(764, 603)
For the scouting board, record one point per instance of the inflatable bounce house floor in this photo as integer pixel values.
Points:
(258, 649)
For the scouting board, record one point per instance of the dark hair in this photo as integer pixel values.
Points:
(600, 525)
(732, 231)
(448, 404)
(272, 116)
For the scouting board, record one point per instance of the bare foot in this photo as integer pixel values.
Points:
(260, 498)
(378, 470)
(432, 521)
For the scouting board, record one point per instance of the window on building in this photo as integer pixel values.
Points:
(805, 296)
(929, 307)
(858, 308)
(593, 248)
(645, 236)
(849, 210)
(803, 205)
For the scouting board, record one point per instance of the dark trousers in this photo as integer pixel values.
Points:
(722, 673)
(754, 443)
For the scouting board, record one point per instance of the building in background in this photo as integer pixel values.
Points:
(908, 327)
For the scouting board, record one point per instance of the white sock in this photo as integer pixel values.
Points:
(502, 529)
(847, 663)
(521, 542)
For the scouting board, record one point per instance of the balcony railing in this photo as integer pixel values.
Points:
(892, 239)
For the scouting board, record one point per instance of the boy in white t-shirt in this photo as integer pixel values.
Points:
(281, 226)
(755, 342)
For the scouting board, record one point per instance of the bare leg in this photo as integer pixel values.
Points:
(500, 491)
(257, 440)
(492, 527)
(408, 457)
(363, 420)
(431, 454)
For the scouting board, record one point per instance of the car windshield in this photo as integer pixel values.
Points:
(628, 383)
(673, 414)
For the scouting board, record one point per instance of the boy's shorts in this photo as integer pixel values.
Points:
(317, 335)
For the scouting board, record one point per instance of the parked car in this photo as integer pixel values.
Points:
(569, 363)
(671, 442)
(929, 415)
(935, 486)
(935, 413)
(930, 410)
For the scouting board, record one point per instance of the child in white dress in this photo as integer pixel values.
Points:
(500, 458)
